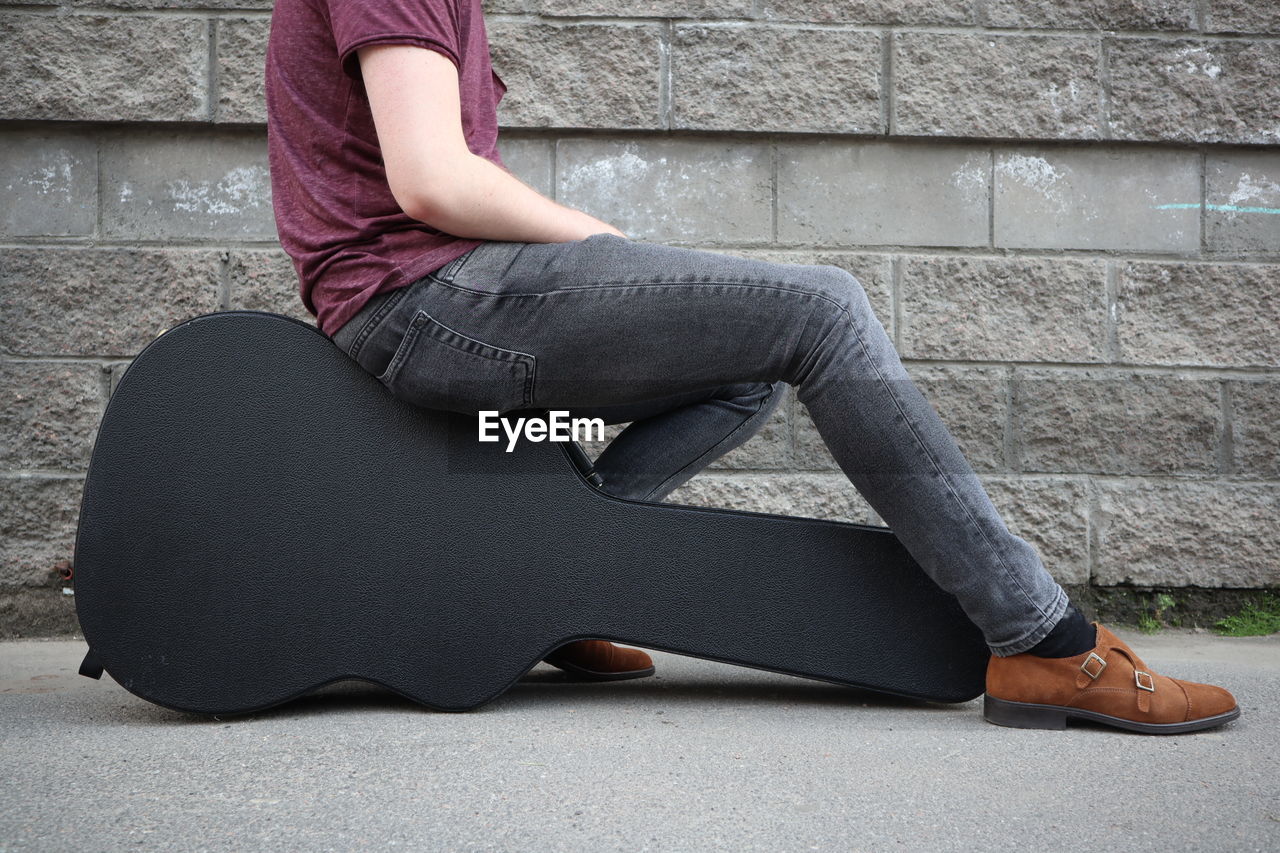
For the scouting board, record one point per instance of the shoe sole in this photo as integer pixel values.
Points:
(1025, 715)
(596, 675)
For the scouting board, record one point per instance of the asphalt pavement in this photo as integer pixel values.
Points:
(702, 756)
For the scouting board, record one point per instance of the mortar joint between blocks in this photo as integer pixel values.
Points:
(211, 87)
(1226, 443)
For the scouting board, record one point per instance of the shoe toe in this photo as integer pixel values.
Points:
(1208, 700)
(600, 658)
(626, 659)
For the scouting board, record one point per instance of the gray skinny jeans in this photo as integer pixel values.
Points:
(691, 348)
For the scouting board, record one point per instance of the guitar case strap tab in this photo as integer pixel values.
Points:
(90, 667)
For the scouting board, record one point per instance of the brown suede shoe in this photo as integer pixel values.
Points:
(600, 660)
(1109, 685)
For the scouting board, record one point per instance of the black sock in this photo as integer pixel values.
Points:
(1073, 635)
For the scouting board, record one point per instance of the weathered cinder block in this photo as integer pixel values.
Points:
(168, 186)
(972, 402)
(93, 67)
(242, 57)
(1175, 533)
(1243, 191)
(873, 272)
(37, 527)
(955, 84)
(883, 193)
(997, 309)
(1255, 428)
(774, 78)
(1093, 14)
(684, 190)
(577, 75)
(530, 160)
(1098, 198)
(50, 413)
(1243, 16)
(1052, 514)
(37, 612)
(1204, 314)
(1194, 90)
(50, 184)
(870, 11)
(829, 496)
(643, 8)
(100, 301)
(264, 280)
(1115, 422)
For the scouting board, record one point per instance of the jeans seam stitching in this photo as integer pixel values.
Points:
(531, 370)
(608, 284)
(945, 478)
(367, 329)
(401, 355)
(460, 261)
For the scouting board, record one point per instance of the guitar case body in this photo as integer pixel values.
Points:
(261, 517)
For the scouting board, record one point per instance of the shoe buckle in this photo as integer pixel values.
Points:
(1099, 664)
(1150, 686)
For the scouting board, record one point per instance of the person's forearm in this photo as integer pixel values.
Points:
(483, 201)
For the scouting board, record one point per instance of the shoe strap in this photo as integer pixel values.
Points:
(1144, 680)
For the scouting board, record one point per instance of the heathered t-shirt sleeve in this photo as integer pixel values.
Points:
(429, 23)
(335, 214)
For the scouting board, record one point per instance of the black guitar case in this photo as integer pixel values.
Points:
(261, 517)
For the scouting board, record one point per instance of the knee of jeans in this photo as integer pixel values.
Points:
(839, 286)
(840, 298)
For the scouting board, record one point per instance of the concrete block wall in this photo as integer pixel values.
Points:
(1066, 213)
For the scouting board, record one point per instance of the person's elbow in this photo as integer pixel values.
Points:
(432, 193)
(425, 206)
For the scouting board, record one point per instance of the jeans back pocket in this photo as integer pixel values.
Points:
(436, 367)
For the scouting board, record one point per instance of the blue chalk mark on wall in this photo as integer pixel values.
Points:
(1228, 208)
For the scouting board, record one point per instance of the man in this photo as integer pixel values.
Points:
(461, 288)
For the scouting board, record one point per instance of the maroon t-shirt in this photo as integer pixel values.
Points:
(335, 213)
